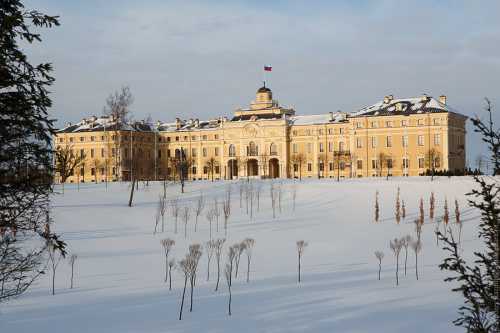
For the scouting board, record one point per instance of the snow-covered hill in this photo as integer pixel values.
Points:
(120, 266)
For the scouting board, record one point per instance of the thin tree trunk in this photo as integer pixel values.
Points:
(192, 287)
(218, 273)
(230, 296)
(248, 270)
(208, 270)
(416, 265)
(53, 281)
(406, 259)
(170, 279)
(72, 269)
(183, 294)
(397, 271)
(299, 269)
(166, 267)
(131, 194)
(379, 269)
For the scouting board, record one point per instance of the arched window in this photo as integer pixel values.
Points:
(273, 149)
(232, 151)
(252, 149)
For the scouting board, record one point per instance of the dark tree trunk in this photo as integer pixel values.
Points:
(248, 270)
(416, 265)
(218, 274)
(379, 269)
(406, 259)
(183, 295)
(72, 270)
(299, 269)
(230, 298)
(131, 193)
(192, 288)
(170, 279)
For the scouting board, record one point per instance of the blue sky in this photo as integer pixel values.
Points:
(205, 58)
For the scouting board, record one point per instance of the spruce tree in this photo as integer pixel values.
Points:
(25, 151)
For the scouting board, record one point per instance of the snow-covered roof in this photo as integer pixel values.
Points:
(98, 124)
(189, 125)
(397, 106)
(333, 117)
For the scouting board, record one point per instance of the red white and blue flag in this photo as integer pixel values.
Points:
(268, 68)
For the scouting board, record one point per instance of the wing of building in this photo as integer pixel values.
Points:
(396, 136)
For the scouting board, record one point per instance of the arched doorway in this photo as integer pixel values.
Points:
(232, 169)
(252, 167)
(274, 168)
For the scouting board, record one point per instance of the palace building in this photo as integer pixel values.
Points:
(396, 136)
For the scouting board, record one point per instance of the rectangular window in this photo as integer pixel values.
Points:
(321, 148)
(341, 130)
(320, 132)
(193, 138)
(92, 153)
(295, 168)
(421, 162)
(405, 140)
(389, 163)
(294, 148)
(330, 147)
(359, 164)
(204, 137)
(330, 166)
(82, 153)
(436, 121)
(375, 164)
(309, 167)
(403, 123)
(114, 171)
(359, 125)
(92, 138)
(374, 142)
(406, 163)
(359, 143)
(308, 132)
(82, 139)
(216, 136)
(61, 139)
(205, 170)
(330, 131)
(437, 139)
(159, 153)
(70, 139)
(217, 169)
(113, 152)
(341, 146)
(92, 171)
(176, 138)
(388, 141)
(102, 152)
(204, 152)
(388, 123)
(420, 140)
(420, 122)
(309, 147)
(102, 171)
(216, 151)
(294, 133)
(321, 166)
(193, 170)
(193, 152)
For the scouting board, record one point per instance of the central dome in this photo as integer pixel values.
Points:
(263, 89)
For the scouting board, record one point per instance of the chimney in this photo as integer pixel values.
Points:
(442, 99)
(177, 123)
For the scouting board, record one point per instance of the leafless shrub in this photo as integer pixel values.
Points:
(185, 266)
(421, 216)
(210, 247)
(55, 257)
(185, 218)
(72, 260)
(377, 207)
(228, 272)
(162, 208)
(171, 265)
(396, 246)
(249, 244)
(175, 209)
(432, 205)
(403, 209)
(216, 210)
(405, 241)
(301, 246)
(226, 209)
(210, 215)
(416, 246)
(167, 245)
(418, 228)
(240, 249)
(294, 195)
(458, 221)
(398, 208)
(195, 254)
(200, 205)
(379, 255)
(219, 244)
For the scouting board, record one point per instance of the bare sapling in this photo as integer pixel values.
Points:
(210, 215)
(210, 247)
(294, 195)
(421, 216)
(274, 197)
(185, 267)
(403, 209)
(240, 249)
(398, 208)
(228, 274)
(226, 209)
(379, 255)
(258, 190)
(162, 208)
(72, 260)
(251, 194)
(416, 246)
(167, 245)
(171, 266)
(301, 246)
(219, 244)
(396, 246)
(377, 207)
(175, 209)
(446, 215)
(195, 253)
(186, 212)
(55, 257)
(432, 206)
(249, 243)
(241, 188)
(216, 210)
(157, 219)
(247, 197)
(406, 242)
(200, 205)
(458, 221)
(418, 228)
(280, 195)
(165, 188)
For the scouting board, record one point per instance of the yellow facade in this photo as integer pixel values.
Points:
(395, 136)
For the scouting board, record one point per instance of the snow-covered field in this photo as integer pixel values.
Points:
(120, 269)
